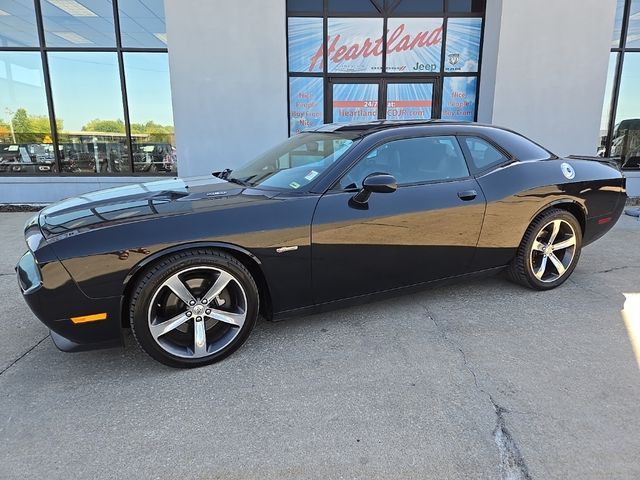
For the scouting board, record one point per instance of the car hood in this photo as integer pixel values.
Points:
(142, 201)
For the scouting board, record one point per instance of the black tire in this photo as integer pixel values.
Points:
(521, 269)
(153, 280)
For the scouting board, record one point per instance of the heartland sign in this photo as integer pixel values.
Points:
(341, 49)
(356, 45)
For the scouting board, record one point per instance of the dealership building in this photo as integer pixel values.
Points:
(99, 93)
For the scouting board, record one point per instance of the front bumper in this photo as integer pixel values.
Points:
(55, 298)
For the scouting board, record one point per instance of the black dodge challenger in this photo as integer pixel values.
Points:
(332, 216)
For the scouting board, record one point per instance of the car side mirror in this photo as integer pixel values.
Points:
(375, 183)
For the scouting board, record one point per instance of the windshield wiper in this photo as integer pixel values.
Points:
(238, 182)
(223, 174)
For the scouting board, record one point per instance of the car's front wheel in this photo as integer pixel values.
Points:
(549, 251)
(194, 308)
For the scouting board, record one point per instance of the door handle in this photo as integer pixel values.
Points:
(467, 195)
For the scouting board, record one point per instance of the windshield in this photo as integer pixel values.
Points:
(296, 162)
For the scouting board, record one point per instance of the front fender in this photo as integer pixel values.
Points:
(103, 260)
(182, 247)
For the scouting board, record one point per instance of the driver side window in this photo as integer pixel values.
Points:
(411, 160)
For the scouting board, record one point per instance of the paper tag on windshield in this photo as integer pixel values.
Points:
(311, 175)
(294, 185)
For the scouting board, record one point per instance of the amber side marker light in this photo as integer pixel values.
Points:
(89, 318)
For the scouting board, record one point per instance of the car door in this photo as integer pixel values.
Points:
(426, 230)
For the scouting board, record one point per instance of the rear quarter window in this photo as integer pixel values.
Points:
(482, 153)
(520, 147)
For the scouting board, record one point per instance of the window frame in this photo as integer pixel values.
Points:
(336, 187)
(119, 49)
(383, 91)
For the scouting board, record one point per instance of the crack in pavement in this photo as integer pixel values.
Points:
(615, 269)
(512, 465)
(23, 355)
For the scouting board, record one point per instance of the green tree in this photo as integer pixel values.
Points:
(110, 126)
(31, 128)
(21, 122)
(151, 127)
(41, 124)
(154, 132)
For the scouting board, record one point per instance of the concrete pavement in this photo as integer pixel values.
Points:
(483, 379)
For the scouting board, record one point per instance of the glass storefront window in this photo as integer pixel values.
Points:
(305, 44)
(459, 98)
(150, 112)
(466, 6)
(419, 7)
(626, 135)
(355, 6)
(364, 60)
(305, 6)
(18, 24)
(354, 45)
(606, 109)
(86, 81)
(306, 103)
(25, 132)
(409, 101)
(617, 26)
(81, 23)
(88, 105)
(633, 30)
(414, 45)
(355, 102)
(620, 130)
(463, 44)
(142, 23)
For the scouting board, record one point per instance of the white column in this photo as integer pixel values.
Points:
(228, 80)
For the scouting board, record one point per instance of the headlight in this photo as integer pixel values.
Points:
(28, 273)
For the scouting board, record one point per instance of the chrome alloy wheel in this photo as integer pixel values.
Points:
(197, 312)
(553, 250)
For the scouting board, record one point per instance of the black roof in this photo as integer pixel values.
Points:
(512, 142)
(377, 125)
(380, 125)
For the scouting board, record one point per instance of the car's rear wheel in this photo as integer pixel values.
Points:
(194, 308)
(549, 251)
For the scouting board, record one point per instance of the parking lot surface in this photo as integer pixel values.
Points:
(482, 379)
